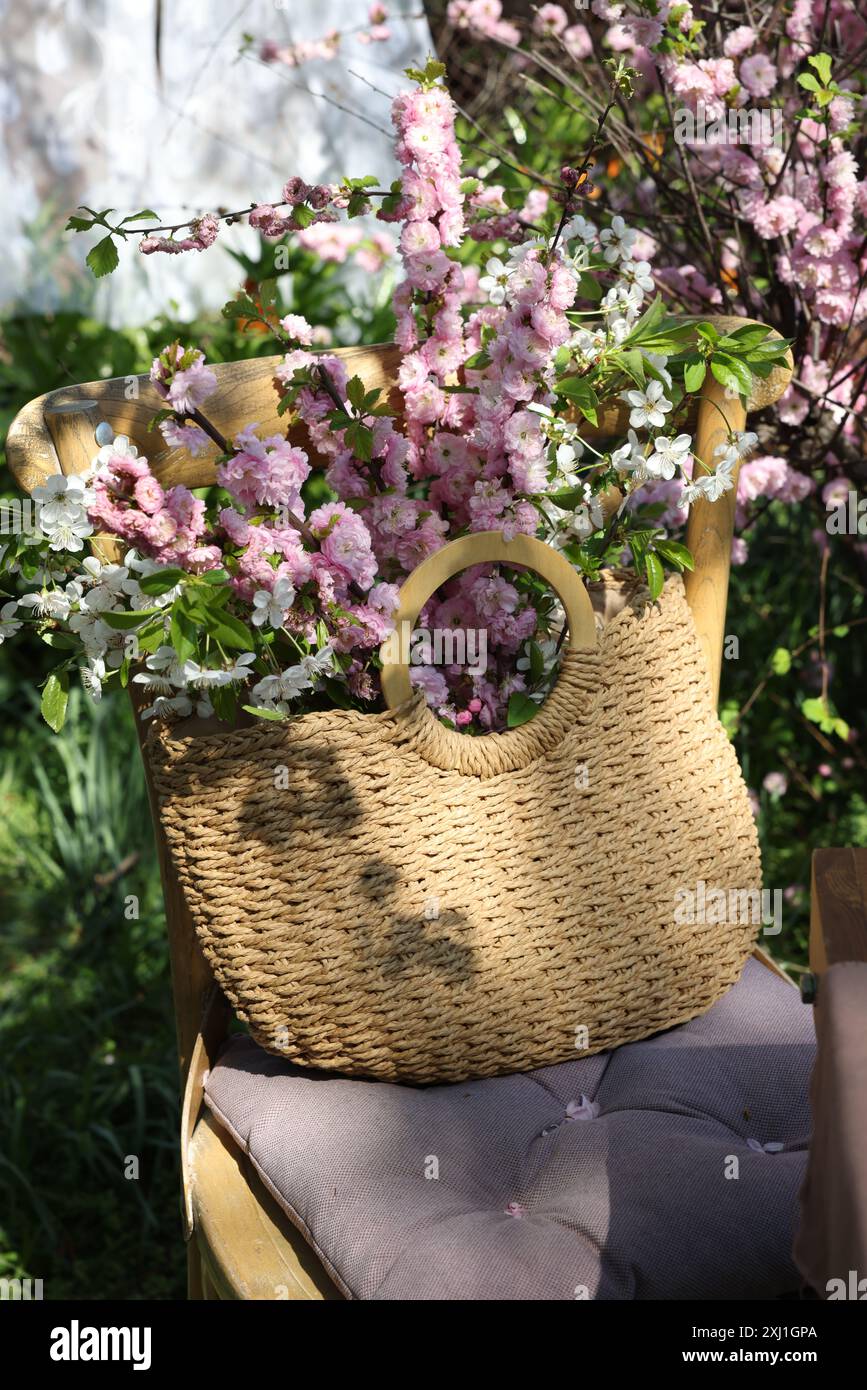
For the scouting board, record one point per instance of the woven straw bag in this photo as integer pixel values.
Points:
(408, 902)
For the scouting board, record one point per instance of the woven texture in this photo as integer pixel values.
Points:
(382, 896)
(652, 1191)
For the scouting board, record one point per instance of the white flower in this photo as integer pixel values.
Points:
(271, 608)
(638, 273)
(745, 441)
(549, 656)
(618, 240)
(628, 298)
(742, 442)
(493, 283)
(568, 455)
(629, 458)
(92, 676)
(49, 603)
(66, 529)
(649, 407)
(657, 361)
(164, 671)
(318, 664)
(589, 346)
(8, 627)
(120, 445)
(164, 705)
(518, 254)
(668, 455)
(203, 677)
(579, 228)
(240, 671)
(711, 485)
(727, 454)
(274, 691)
(583, 1109)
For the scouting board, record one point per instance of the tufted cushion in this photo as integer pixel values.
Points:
(539, 1194)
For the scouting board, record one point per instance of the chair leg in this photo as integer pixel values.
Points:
(195, 1273)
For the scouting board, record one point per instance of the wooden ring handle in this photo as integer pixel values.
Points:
(483, 547)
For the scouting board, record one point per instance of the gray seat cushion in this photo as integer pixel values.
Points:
(639, 1173)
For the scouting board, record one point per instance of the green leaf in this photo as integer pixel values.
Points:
(359, 438)
(739, 370)
(263, 713)
(122, 621)
(649, 322)
(214, 577)
(161, 581)
(708, 332)
(231, 632)
(581, 393)
(62, 641)
(821, 712)
(808, 81)
(632, 363)
(694, 375)
(140, 216)
(590, 288)
(521, 709)
(676, 554)
(102, 258)
(185, 630)
(821, 62)
(537, 663)
(655, 574)
(55, 696)
(781, 661)
(355, 392)
(568, 498)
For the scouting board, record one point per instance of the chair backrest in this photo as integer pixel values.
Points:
(55, 433)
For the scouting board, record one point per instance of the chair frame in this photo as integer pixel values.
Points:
(240, 1244)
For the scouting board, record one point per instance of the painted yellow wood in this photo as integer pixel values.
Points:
(249, 1247)
(710, 530)
(482, 548)
(245, 392)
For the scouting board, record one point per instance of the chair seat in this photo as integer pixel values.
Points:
(640, 1173)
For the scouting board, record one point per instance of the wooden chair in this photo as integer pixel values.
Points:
(239, 1242)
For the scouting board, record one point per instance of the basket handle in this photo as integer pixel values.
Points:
(482, 547)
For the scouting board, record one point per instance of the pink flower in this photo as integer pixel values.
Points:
(344, 541)
(775, 783)
(265, 472)
(425, 272)
(577, 41)
(739, 41)
(432, 682)
(148, 494)
(523, 435)
(183, 379)
(296, 326)
(188, 437)
(759, 75)
(269, 221)
(419, 239)
(550, 20)
(776, 216)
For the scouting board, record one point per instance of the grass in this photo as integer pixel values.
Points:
(88, 1094)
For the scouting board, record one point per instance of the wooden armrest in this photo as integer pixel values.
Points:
(212, 1033)
(838, 908)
